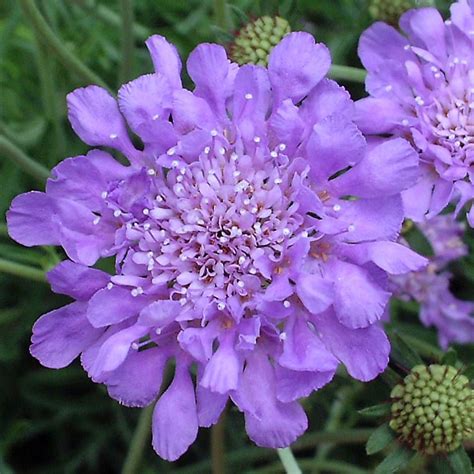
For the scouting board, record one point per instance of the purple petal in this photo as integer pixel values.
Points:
(61, 335)
(296, 65)
(335, 144)
(303, 350)
(145, 100)
(364, 352)
(96, 119)
(165, 59)
(159, 313)
(29, 220)
(291, 385)
(175, 421)
(286, 126)
(358, 300)
(190, 111)
(75, 280)
(111, 306)
(315, 292)
(378, 115)
(210, 405)
(137, 381)
(387, 169)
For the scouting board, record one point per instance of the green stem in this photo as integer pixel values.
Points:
(110, 17)
(46, 35)
(424, 348)
(217, 446)
(221, 14)
(338, 467)
(137, 446)
(128, 41)
(27, 164)
(3, 230)
(288, 461)
(49, 99)
(24, 271)
(347, 73)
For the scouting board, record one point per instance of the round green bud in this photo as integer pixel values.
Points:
(255, 41)
(390, 11)
(435, 419)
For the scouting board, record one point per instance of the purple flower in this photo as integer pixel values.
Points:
(452, 317)
(252, 234)
(421, 88)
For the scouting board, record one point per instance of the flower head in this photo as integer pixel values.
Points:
(421, 88)
(252, 236)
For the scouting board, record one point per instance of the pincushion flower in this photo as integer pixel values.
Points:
(421, 88)
(252, 234)
(430, 287)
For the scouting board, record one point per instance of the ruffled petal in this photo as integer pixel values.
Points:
(296, 65)
(175, 420)
(61, 335)
(210, 405)
(364, 352)
(165, 59)
(315, 292)
(76, 280)
(378, 115)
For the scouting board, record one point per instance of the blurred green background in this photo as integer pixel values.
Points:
(59, 421)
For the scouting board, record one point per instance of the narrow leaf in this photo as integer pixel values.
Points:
(469, 372)
(395, 461)
(379, 439)
(450, 357)
(376, 411)
(402, 353)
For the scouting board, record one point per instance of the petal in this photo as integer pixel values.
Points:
(29, 220)
(334, 144)
(315, 292)
(165, 59)
(417, 199)
(394, 258)
(296, 65)
(303, 350)
(111, 306)
(213, 75)
(159, 313)
(198, 341)
(222, 372)
(137, 381)
(364, 352)
(387, 169)
(358, 300)
(76, 280)
(61, 335)
(269, 422)
(380, 43)
(286, 126)
(114, 350)
(144, 100)
(210, 405)
(190, 111)
(378, 115)
(96, 119)
(175, 421)
(291, 384)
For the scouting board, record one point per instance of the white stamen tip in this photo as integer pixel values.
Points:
(221, 306)
(214, 133)
(155, 117)
(207, 150)
(146, 211)
(110, 286)
(278, 181)
(286, 304)
(240, 284)
(282, 147)
(96, 220)
(175, 163)
(286, 231)
(117, 213)
(282, 336)
(113, 136)
(351, 228)
(337, 207)
(256, 139)
(104, 194)
(171, 151)
(274, 154)
(405, 122)
(248, 96)
(151, 172)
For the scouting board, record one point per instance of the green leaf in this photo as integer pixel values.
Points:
(379, 439)
(376, 411)
(402, 353)
(460, 462)
(395, 460)
(450, 357)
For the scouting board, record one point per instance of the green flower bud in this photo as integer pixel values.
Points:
(439, 420)
(255, 41)
(390, 11)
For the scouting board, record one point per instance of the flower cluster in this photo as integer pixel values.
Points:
(421, 87)
(452, 317)
(252, 233)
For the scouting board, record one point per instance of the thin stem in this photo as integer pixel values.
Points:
(288, 461)
(217, 446)
(139, 439)
(46, 35)
(3, 230)
(19, 157)
(128, 42)
(221, 14)
(347, 73)
(24, 271)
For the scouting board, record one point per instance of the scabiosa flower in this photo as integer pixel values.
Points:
(421, 87)
(252, 237)
(430, 287)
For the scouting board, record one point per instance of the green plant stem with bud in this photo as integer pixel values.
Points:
(46, 35)
(23, 271)
(20, 158)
